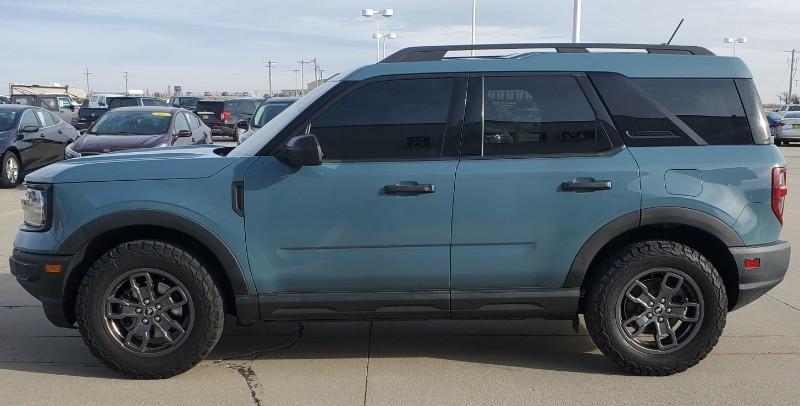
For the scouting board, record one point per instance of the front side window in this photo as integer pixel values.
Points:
(532, 115)
(267, 112)
(64, 102)
(181, 124)
(387, 120)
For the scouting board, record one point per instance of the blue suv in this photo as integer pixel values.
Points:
(640, 189)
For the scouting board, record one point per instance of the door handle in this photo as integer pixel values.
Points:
(585, 185)
(412, 188)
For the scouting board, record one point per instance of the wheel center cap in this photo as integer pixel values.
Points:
(658, 309)
(149, 311)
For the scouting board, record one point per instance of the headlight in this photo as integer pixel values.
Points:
(34, 209)
(70, 153)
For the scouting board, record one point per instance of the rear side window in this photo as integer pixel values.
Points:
(45, 118)
(710, 107)
(531, 115)
(29, 119)
(387, 120)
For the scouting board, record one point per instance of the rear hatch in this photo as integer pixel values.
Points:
(210, 111)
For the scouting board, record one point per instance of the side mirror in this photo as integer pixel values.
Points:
(29, 129)
(244, 125)
(302, 150)
(71, 107)
(184, 133)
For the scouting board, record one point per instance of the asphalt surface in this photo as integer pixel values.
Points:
(406, 363)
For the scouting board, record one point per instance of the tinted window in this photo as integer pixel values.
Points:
(209, 106)
(537, 115)
(149, 102)
(794, 108)
(49, 103)
(267, 112)
(132, 123)
(710, 107)
(231, 106)
(45, 118)
(7, 119)
(122, 103)
(394, 119)
(28, 119)
(247, 107)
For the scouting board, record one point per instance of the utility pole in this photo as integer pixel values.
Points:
(791, 77)
(302, 63)
(87, 73)
(316, 67)
(297, 93)
(269, 64)
(321, 75)
(474, 12)
(125, 74)
(576, 22)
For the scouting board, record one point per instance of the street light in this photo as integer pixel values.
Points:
(384, 37)
(373, 12)
(734, 41)
(576, 22)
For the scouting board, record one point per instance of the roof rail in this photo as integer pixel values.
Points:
(438, 52)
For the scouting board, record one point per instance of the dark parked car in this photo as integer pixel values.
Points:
(266, 112)
(140, 127)
(223, 115)
(88, 115)
(186, 102)
(30, 138)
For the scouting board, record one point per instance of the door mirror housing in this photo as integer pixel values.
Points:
(302, 150)
(244, 125)
(184, 134)
(29, 129)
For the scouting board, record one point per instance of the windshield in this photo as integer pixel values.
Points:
(132, 123)
(7, 120)
(267, 112)
(273, 127)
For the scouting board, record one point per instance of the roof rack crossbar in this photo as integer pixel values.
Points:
(438, 52)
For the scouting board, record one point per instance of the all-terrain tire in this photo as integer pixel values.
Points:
(206, 327)
(608, 282)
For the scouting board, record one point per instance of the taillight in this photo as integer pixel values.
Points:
(781, 124)
(779, 191)
(225, 115)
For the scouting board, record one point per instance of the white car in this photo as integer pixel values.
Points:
(99, 101)
(790, 132)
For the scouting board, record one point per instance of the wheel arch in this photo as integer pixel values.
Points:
(701, 231)
(97, 237)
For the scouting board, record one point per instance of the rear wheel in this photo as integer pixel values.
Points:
(149, 309)
(11, 174)
(656, 307)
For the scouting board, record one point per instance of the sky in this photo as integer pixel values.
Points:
(217, 45)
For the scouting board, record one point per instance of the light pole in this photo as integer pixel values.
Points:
(734, 41)
(372, 12)
(125, 74)
(474, 16)
(384, 37)
(576, 22)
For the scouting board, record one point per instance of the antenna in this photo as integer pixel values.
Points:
(675, 32)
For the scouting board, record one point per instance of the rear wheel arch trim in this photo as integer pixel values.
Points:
(650, 216)
(83, 236)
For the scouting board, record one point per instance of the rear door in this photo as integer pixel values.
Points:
(538, 176)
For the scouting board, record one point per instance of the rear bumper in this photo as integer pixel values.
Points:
(788, 134)
(754, 283)
(29, 269)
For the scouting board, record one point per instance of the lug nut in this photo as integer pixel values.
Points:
(660, 319)
(669, 310)
(650, 303)
(649, 315)
(145, 321)
(157, 318)
(158, 307)
(663, 300)
(138, 310)
(147, 301)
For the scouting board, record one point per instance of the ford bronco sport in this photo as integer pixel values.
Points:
(640, 189)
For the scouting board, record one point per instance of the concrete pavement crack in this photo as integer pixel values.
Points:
(252, 380)
(787, 304)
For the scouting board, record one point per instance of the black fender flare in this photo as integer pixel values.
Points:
(80, 238)
(650, 216)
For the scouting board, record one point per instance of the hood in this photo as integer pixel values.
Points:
(98, 143)
(192, 162)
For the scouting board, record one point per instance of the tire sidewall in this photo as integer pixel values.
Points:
(201, 331)
(4, 181)
(713, 300)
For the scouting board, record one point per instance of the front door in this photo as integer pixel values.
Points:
(538, 177)
(367, 233)
(30, 144)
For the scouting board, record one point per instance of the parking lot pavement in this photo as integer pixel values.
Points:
(400, 363)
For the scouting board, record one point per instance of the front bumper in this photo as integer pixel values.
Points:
(48, 287)
(753, 283)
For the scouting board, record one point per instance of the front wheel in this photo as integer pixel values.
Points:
(149, 310)
(10, 174)
(656, 307)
